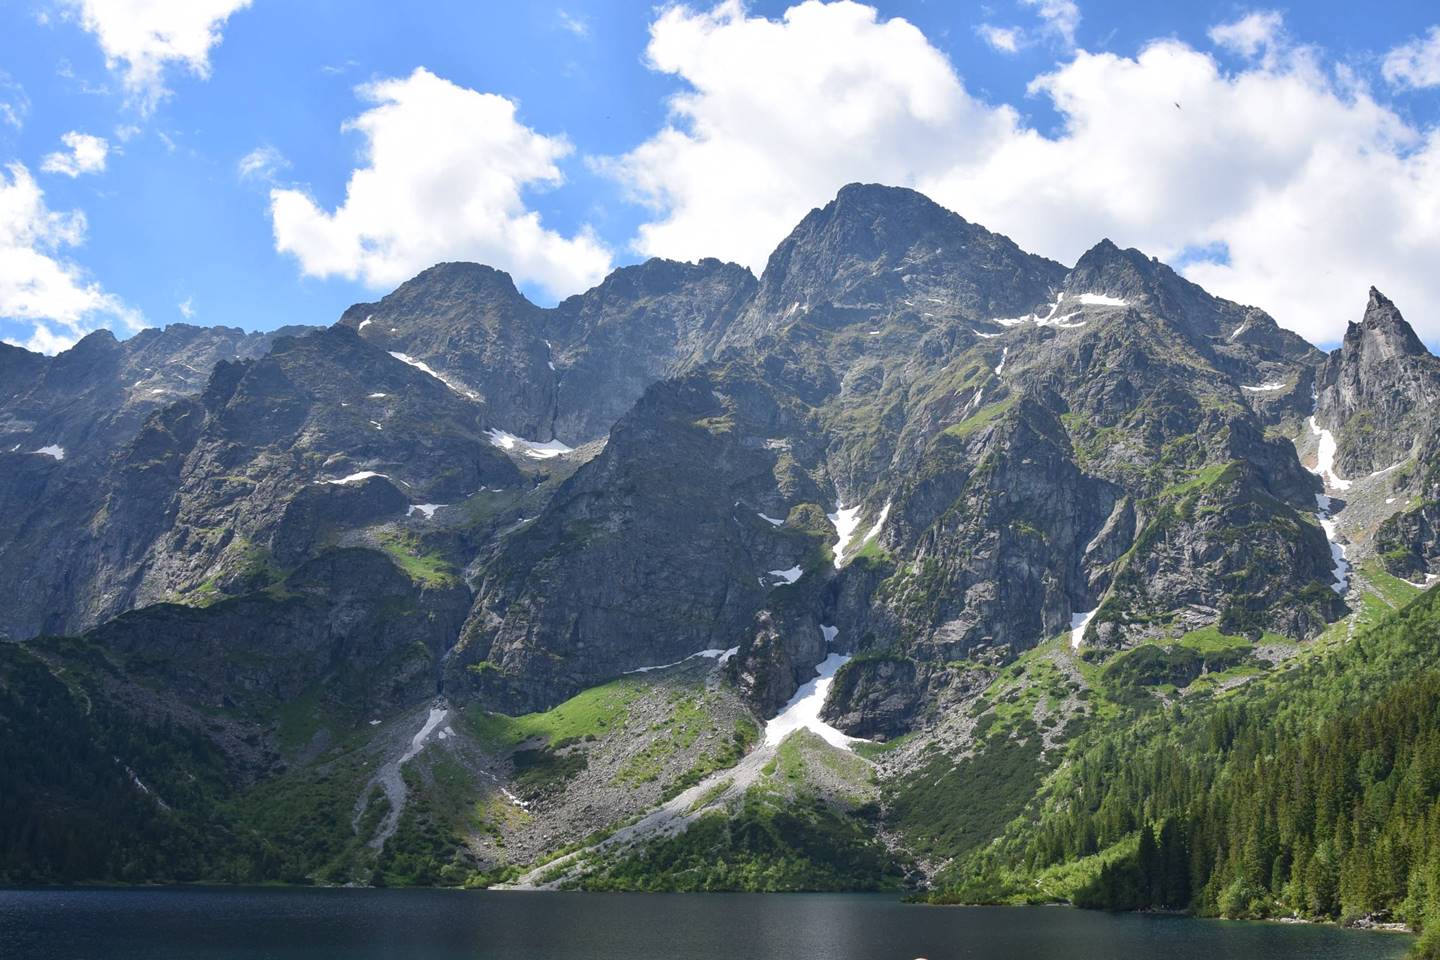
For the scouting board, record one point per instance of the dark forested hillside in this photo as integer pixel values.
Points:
(1314, 794)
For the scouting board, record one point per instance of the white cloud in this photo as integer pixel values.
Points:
(14, 104)
(574, 23)
(1062, 17)
(37, 286)
(1315, 189)
(86, 154)
(148, 35)
(1415, 65)
(1253, 33)
(1004, 39)
(779, 114)
(445, 169)
(187, 308)
(262, 164)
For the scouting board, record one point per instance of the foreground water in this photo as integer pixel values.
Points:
(278, 924)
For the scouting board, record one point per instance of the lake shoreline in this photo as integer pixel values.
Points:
(1373, 927)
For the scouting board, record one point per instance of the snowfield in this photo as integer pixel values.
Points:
(803, 709)
(530, 448)
(1078, 623)
(846, 520)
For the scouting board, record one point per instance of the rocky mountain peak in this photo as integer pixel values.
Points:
(875, 250)
(1383, 333)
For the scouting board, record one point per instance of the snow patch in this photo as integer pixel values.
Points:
(357, 477)
(1240, 329)
(985, 336)
(874, 531)
(1264, 387)
(1341, 570)
(428, 509)
(1000, 367)
(1078, 623)
(424, 367)
(715, 654)
(1101, 300)
(770, 520)
(366, 322)
(1393, 466)
(530, 448)
(1325, 457)
(54, 451)
(378, 396)
(845, 520)
(803, 709)
(789, 576)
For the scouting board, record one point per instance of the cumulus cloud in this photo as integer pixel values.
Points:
(83, 153)
(444, 175)
(778, 114)
(144, 37)
(1313, 188)
(39, 288)
(187, 308)
(1415, 65)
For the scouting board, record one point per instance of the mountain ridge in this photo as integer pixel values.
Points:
(1005, 504)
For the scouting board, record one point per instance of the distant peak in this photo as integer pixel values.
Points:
(1383, 330)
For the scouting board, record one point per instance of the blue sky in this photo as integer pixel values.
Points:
(1307, 168)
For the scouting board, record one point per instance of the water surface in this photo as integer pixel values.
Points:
(281, 924)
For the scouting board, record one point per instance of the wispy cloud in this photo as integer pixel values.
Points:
(574, 23)
(261, 164)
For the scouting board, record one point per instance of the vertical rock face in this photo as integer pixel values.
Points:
(653, 551)
(1377, 392)
(642, 324)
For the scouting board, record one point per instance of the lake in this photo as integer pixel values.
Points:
(279, 924)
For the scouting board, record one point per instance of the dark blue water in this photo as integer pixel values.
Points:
(280, 924)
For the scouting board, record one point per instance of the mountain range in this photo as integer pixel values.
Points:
(845, 577)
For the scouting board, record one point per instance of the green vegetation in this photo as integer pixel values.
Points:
(784, 834)
(1312, 792)
(983, 417)
(589, 714)
(428, 568)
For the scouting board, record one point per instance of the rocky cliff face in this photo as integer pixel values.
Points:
(565, 373)
(1378, 391)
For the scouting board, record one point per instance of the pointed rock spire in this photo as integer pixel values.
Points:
(1383, 334)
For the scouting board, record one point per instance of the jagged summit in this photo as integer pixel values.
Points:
(1383, 332)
